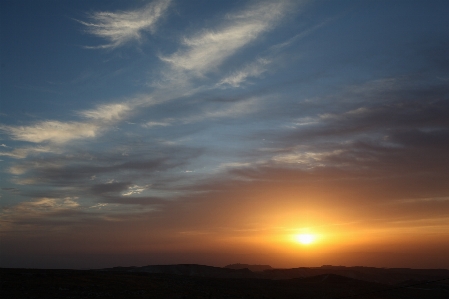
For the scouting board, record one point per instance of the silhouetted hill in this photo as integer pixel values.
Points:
(253, 268)
(122, 283)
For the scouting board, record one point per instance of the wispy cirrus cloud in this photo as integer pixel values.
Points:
(204, 51)
(120, 28)
(58, 132)
(210, 48)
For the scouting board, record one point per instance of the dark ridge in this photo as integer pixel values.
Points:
(119, 282)
(253, 268)
(391, 276)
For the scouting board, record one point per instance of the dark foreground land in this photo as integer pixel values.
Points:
(196, 281)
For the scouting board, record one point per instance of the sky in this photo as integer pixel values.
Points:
(216, 132)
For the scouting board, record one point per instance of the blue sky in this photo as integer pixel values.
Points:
(219, 118)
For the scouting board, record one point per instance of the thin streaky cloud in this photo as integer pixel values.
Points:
(210, 48)
(120, 28)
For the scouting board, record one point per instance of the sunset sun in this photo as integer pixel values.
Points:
(305, 239)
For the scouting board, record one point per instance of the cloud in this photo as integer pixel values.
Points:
(58, 170)
(135, 189)
(53, 212)
(214, 110)
(390, 133)
(17, 169)
(211, 47)
(305, 158)
(120, 28)
(21, 153)
(254, 69)
(62, 132)
(99, 119)
(258, 67)
(52, 131)
(37, 210)
(13, 190)
(151, 124)
(77, 169)
(234, 165)
(376, 109)
(51, 203)
(230, 110)
(107, 112)
(113, 187)
(299, 36)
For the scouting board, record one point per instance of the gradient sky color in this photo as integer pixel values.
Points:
(215, 132)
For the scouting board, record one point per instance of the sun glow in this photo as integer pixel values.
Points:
(305, 239)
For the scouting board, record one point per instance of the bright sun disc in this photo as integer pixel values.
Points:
(305, 238)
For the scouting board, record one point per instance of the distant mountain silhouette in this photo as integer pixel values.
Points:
(253, 268)
(391, 276)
